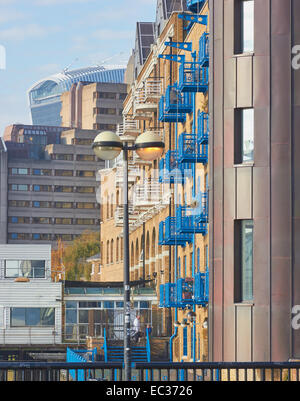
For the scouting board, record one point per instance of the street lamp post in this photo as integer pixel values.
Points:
(107, 146)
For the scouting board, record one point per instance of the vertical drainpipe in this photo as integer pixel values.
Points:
(175, 262)
(194, 236)
(170, 204)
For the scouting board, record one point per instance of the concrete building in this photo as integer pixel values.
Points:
(96, 106)
(254, 203)
(34, 134)
(44, 96)
(50, 190)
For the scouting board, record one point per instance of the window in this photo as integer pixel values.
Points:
(15, 203)
(41, 237)
(43, 204)
(244, 136)
(30, 317)
(64, 173)
(19, 171)
(243, 260)
(60, 188)
(41, 220)
(103, 110)
(244, 26)
(25, 268)
(42, 188)
(106, 95)
(19, 220)
(85, 173)
(84, 221)
(18, 187)
(62, 157)
(65, 220)
(85, 190)
(85, 205)
(41, 172)
(64, 205)
(19, 236)
(64, 237)
(85, 158)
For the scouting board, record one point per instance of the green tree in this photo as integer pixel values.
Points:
(75, 255)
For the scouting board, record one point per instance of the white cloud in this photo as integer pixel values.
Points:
(10, 15)
(112, 34)
(17, 33)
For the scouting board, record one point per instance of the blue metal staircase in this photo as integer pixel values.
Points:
(115, 353)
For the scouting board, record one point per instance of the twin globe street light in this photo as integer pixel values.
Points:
(107, 146)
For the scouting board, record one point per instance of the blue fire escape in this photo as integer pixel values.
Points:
(171, 170)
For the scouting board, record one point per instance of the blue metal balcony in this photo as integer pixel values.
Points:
(176, 101)
(193, 77)
(191, 220)
(201, 289)
(204, 50)
(171, 170)
(168, 234)
(203, 128)
(167, 295)
(169, 117)
(191, 150)
(195, 6)
(185, 292)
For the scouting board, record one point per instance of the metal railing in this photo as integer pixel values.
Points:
(154, 371)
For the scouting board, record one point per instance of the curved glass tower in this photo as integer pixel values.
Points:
(44, 96)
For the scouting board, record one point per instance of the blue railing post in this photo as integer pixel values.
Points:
(104, 347)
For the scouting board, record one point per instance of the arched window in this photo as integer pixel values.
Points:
(112, 251)
(132, 255)
(117, 250)
(137, 254)
(112, 206)
(107, 252)
(153, 245)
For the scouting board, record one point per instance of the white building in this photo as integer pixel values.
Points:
(30, 303)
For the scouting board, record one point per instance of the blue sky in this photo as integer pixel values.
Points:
(42, 37)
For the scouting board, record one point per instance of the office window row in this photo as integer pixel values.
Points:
(51, 188)
(42, 237)
(72, 157)
(48, 205)
(51, 220)
(48, 172)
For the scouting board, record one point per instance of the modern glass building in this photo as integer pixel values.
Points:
(44, 96)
